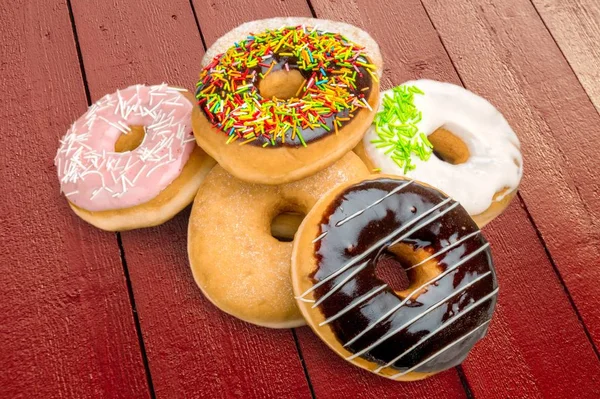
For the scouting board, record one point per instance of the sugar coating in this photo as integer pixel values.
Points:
(235, 260)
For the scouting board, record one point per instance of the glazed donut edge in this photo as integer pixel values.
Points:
(283, 164)
(353, 33)
(305, 265)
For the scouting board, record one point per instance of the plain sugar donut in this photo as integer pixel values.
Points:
(236, 262)
(476, 155)
(131, 160)
(280, 99)
(400, 328)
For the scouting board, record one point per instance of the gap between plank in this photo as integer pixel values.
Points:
(311, 8)
(560, 279)
(136, 320)
(464, 381)
(564, 56)
(301, 357)
(198, 25)
(522, 202)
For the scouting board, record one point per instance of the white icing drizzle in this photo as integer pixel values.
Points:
(379, 201)
(444, 325)
(319, 238)
(377, 245)
(444, 250)
(495, 161)
(405, 300)
(339, 285)
(423, 314)
(354, 304)
(444, 349)
(425, 223)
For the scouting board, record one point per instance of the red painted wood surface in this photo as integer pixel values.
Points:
(504, 52)
(66, 322)
(533, 339)
(193, 349)
(66, 326)
(575, 26)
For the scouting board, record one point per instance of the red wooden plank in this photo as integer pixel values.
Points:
(532, 336)
(575, 25)
(66, 324)
(330, 376)
(504, 52)
(193, 349)
(535, 333)
(218, 17)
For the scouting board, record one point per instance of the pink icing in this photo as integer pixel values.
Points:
(95, 177)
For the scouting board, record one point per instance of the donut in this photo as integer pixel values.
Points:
(394, 276)
(131, 160)
(450, 138)
(280, 99)
(235, 260)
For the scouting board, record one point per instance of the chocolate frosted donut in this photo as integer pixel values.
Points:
(448, 286)
(283, 98)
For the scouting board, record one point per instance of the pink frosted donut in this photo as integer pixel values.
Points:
(99, 182)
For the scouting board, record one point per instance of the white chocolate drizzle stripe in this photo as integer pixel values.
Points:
(444, 349)
(446, 324)
(419, 227)
(319, 238)
(339, 285)
(377, 245)
(405, 300)
(354, 304)
(423, 314)
(444, 250)
(379, 201)
(305, 299)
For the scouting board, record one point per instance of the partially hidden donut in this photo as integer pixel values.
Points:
(450, 138)
(131, 160)
(237, 263)
(394, 276)
(280, 99)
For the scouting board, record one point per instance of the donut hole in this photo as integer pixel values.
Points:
(281, 84)
(285, 224)
(391, 271)
(448, 147)
(408, 257)
(131, 140)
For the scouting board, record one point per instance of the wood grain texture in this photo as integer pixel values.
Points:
(66, 326)
(575, 26)
(218, 17)
(193, 348)
(522, 349)
(534, 333)
(332, 377)
(503, 51)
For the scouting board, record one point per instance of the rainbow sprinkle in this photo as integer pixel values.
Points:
(396, 126)
(331, 64)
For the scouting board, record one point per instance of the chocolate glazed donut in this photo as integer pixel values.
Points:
(428, 325)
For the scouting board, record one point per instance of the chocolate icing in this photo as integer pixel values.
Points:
(389, 212)
(363, 79)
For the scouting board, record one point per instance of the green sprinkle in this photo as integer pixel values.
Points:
(396, 126)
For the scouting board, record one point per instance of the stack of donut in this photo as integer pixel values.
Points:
(281, 150)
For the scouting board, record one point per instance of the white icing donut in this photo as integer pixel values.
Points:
(96, 178)
(494, 164)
